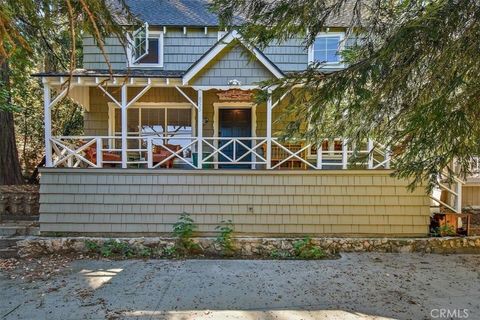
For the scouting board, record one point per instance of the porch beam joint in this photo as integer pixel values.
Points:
(187, 97)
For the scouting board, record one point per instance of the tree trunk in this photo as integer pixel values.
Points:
(10, 171)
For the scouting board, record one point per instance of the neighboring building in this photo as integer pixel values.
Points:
(176, 130)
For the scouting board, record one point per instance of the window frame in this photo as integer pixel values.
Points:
(152, 34)
(341, 47)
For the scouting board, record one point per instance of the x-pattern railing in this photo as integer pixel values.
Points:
(72, 152)
(235, 150)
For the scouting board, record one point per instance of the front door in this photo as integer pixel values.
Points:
(235, 123)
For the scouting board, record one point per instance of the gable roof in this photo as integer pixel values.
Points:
(174, 12)
(201, 63)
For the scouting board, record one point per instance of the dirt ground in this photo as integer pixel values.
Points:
(356, 286)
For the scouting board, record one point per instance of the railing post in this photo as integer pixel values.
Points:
(370, 153)
(48, 124)
(200, 130)
(344, 154)
(319, 155)
(458, 203)
(99, 153)
(124, 126)
(269, 129)
(387, 157)
(149, 153)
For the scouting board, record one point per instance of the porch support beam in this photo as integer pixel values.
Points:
(124, 125)
(48, 103)
(187, 97)
(141, 93)
(48, 124)
(269, 129)
(59, 97)
(110, 96)
(281, 98)
(199, 129)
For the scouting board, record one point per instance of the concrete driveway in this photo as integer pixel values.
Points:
(357, 286)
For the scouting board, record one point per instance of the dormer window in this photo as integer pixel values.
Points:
(326, 49)
(146, 49)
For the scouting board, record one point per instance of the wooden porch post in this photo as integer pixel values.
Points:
(269, 130)
(200, 129)
(124, 125)
(48, 124)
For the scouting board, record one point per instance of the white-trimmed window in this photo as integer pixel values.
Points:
(326, 49)
(173, 124)
(146, 48)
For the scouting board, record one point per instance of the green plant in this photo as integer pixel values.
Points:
(111, 248)
(280, 254)
(183, 229)
(92, 246)
(445, 231)
(170, 252)
(225, 239)
(305, 249)
(144, 252)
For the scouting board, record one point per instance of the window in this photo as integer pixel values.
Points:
(326, 49)
(167, 123)
(146, 49)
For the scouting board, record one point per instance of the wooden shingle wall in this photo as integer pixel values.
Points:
(148, 202)
(471, 195)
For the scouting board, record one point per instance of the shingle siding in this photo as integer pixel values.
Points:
(290, 55)
(182, 50)
(233, 63)
(336, 202)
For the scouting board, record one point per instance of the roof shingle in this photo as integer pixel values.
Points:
(174, 12)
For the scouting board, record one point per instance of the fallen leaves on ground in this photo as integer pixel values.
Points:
(35, 269)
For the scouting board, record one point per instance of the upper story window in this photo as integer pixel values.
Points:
(146, 49)
(326, 49)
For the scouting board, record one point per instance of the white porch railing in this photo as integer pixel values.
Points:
(447, 196)
(217, 152)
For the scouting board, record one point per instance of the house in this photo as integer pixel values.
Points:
(176, 129)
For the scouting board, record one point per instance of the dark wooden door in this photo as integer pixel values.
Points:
(235, 123)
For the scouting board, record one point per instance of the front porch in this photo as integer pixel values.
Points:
(158, 123)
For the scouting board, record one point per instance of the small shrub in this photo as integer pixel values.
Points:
(145, 252)
(110, 248)
(444, 231)
(280, 254)
(92, 246)
(225, 239)
(305, 249)
(116, 247)
(183, 230)
(170, 252)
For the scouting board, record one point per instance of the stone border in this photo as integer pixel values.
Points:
(258, 247)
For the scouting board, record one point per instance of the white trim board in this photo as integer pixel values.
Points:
(219, 47)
